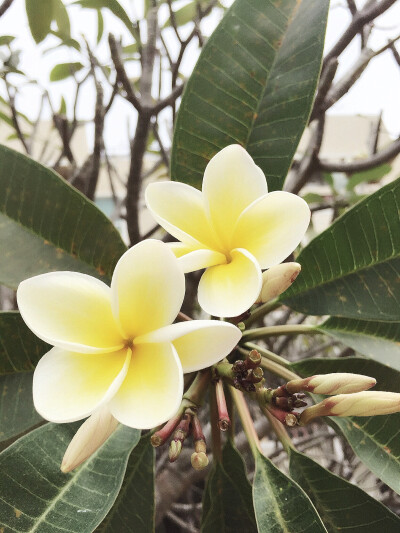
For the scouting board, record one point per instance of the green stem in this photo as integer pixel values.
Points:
(215, 431)
(247, 421)
(262, 310)
(278, 369)
(289, 329)
(197, 389)
(268, 354)
(280, 431)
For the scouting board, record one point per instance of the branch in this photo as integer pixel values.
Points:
(4, 6)
(368, 13)
(363, 164)
(169, 100)
(14, 114)
(375, 132)
(98, 142)
(122, 76)
(325, 84)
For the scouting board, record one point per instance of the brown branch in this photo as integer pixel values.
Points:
(169, 100)
(163, 151)
(4, 6)
(14, 115)
(362, 17)
(93, 176)
(363, 164)
(395, 53)
(375, 132)
(122, 76)
(325, 84)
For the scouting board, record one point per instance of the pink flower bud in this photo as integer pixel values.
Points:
(336, 383)
(277, 279)
(363, 404)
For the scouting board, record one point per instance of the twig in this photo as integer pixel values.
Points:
(14, 115)
(4, 6)
(122, 76)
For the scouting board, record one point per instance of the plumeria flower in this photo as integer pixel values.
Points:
(115, 347)
(233, 228)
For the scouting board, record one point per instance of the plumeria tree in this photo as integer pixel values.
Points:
(102, 372)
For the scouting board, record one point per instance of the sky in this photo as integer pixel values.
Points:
(377, 90)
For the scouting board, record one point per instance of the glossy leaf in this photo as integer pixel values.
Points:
(379, 340)
(20, 349)
(17, 413)
(227, 505)
(61, 17)
(280, 504)
(341, 505)
(254, 85)
(64, 70)
(45, 224)
(352, 269)
(133, 509)
(374, 439)
(40, 16)
(36, 496)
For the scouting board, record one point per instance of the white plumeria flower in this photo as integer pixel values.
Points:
(233, 228)
(115, 346)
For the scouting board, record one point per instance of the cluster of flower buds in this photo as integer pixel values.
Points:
(180, 427)
(243, 374)
(277, 280)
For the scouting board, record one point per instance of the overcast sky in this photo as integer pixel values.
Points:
(378, 89)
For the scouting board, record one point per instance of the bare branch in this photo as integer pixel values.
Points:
(324, 85)
(375, 132)
(169, 100)
(14, 115)
(363, 164)
(163, 151)
(395, 53)
(122, 76)
(4, 6)
(98, 143)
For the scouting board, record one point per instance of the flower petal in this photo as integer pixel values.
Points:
(153, 388)
(199, 259)
(71, 311)
(179, 209)
(69, 386)
(199, 343)
(232, 181)
(272, 227)
(229, 290)
(148, 287)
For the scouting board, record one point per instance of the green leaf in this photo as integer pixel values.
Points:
(227, 505)
(374, 439)
(373, 174)
(280, 504)
(100, 25)
(341, 505)
(45, 224)
(185, 14)
(61, 17)
(17, 413)
(133, 509)
(6, 39)
(64, 70)
(40, 15)
(379, 340)
(352, 269)
(5, 118)
(20, 349)
(253, 85)
(36, 496)
(114, 6)
(63, 107)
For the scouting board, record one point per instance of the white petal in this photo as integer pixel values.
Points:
(69, 386)
(152, 391)
(179, 209)
(232, 181)
(148, 287)
(272, 227)
(199, 259)
(231, 289)
(71, 311)
(199, 343)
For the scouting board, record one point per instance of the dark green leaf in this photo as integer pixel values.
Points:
(373, 174)
(379, 340)
(352, 269)
(341, 505)
(185, 14)
(40, 15)
(45, 224)
(17, 413)
(36, 496)
(65, 41)
(64, 70)
(61, 17)
(20, 349)
(254, 85)
(5, 118)
(133, 509)
(114, 6)
(227, 505)
(100, 25)
(6, 39)
(373, 439)
(280, 504)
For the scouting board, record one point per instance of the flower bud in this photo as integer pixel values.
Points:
(175, 448)
(366, 403)
(89, 437)
(336, 383)
(199, 460)
(277, 279)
